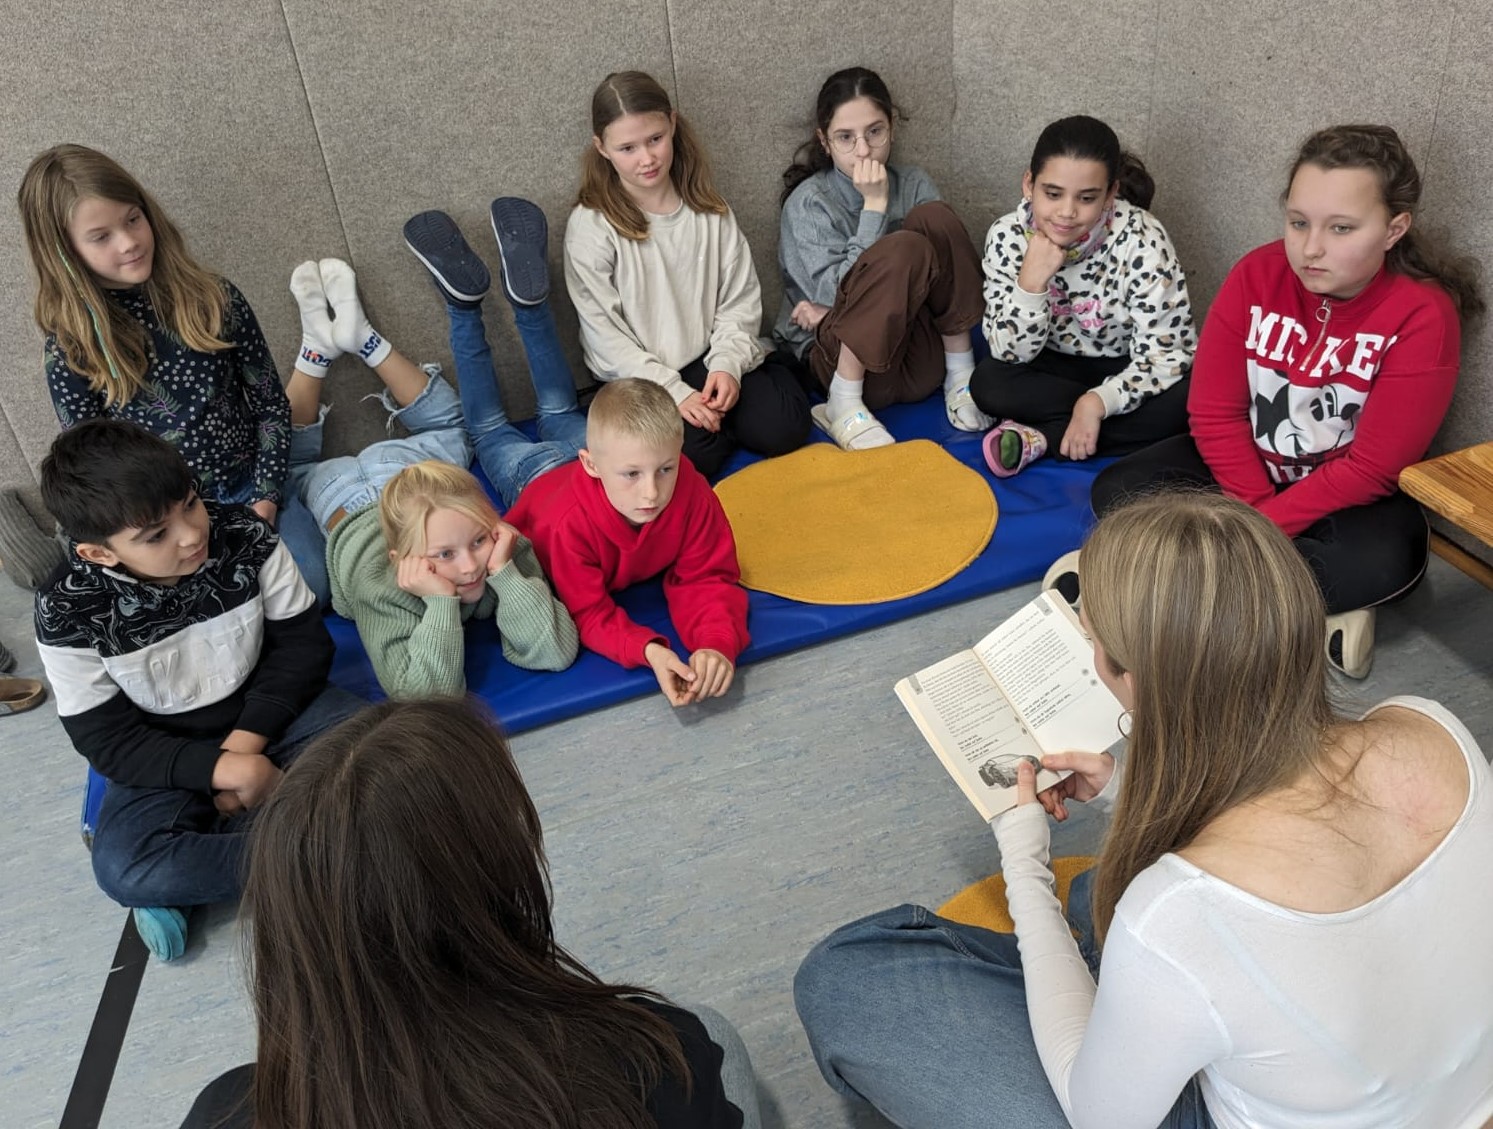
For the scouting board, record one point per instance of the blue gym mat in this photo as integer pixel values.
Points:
(1044, 512)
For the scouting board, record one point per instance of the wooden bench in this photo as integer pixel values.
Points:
(1459, 487)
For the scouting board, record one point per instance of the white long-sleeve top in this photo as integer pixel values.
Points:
(649, 307)
(1380, 1016)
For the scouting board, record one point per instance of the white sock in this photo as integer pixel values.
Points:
(845, 399)
(318, 347)
(958, 368)
(350, 328)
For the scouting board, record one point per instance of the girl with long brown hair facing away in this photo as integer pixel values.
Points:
(1292, 904)
(405, 968)
(663, 282)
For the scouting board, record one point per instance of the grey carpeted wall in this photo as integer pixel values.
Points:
(278, 131)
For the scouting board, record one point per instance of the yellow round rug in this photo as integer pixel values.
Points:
(826, 526)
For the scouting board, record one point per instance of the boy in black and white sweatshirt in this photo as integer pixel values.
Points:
(188, 660)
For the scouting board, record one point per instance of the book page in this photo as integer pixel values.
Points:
(1044, 663)
(972, 728)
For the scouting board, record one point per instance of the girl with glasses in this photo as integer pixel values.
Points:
(881, 284)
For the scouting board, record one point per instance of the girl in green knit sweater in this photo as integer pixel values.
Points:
(430, 556)
(415, 548)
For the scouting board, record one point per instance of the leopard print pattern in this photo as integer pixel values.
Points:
(1128, 297)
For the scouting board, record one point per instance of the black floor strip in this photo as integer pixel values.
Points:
(85, 1103)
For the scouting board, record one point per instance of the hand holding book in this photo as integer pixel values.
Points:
(1028, 687)
(1088, 773)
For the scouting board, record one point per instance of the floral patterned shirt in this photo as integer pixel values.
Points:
(226, 412)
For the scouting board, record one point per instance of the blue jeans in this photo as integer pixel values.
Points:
(350, 482)
(926, 1019)
(443, 427)
(172, 847)
(509, 458)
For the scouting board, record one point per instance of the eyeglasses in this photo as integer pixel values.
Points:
(844, 140)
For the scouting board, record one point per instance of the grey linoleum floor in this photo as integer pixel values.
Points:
(701, 853)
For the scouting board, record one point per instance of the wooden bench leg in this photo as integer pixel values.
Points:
(1458, 557)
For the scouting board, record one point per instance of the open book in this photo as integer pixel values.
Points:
(1027, 688)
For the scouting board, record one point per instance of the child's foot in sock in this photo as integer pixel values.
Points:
(959, 405)
(460, 276)
(852, 425)
(350, 329)
(164, 930)
(318, 346)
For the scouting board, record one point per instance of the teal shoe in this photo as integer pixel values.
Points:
(164, 931)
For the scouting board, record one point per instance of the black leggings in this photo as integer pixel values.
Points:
(1041, 393)
(1361, 556)
(771, 417)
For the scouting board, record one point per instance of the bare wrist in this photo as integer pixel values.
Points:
(1030, 283)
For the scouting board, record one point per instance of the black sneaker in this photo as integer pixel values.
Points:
(438, 243)
(1063, 577)
(523, 236)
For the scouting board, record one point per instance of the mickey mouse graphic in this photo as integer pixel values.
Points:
(1301, 423)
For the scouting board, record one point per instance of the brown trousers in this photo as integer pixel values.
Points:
(896, 304)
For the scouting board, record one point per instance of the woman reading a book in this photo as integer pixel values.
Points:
(1291, 903)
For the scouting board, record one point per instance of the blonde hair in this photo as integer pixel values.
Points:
(101, 341)
(635, 408)
(633, 92)
(1211, 608)
(419, 490)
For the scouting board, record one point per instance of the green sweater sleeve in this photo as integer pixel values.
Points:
(415, 644)
(536, 630)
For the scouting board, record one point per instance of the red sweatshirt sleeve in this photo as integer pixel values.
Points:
(580, 577)
(1401, 415)
(1218, 400)
(707, 603)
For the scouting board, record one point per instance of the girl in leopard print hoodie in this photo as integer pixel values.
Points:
(1086, 310)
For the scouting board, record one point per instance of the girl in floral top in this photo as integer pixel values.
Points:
(136, 329)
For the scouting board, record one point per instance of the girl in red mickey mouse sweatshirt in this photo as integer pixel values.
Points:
(1326, 366)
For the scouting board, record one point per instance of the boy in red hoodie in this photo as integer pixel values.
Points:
(631, 508)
